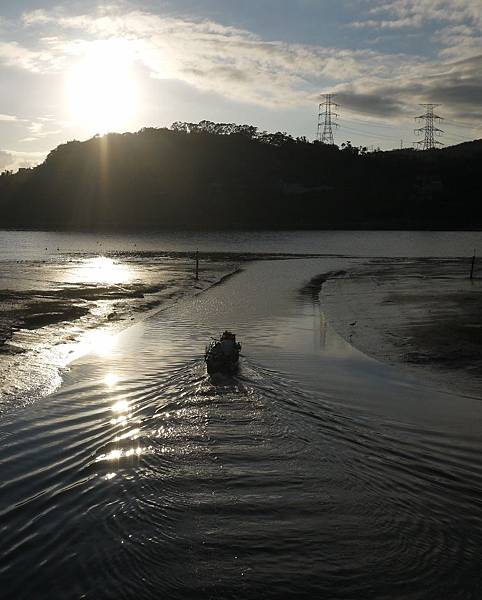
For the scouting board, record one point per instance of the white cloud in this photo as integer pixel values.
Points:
(15, 55)
(459, 42)
(8, 118)
(241, 66)
(213, 57)
(6, 160)
(416, 13)
(13, 160)
(456, 85)
(39, 130)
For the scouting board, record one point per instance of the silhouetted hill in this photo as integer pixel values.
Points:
(209, 175)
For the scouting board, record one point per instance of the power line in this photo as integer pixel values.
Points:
(371, 123)
(455, 124)
(374, 135)
(455, 136)
(325, 120)
(430, 131)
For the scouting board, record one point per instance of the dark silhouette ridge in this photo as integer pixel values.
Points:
(226, 176)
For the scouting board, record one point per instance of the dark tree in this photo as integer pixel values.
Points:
(224, 175)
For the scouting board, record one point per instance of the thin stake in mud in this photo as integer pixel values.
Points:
(197, 265)
(472, 267)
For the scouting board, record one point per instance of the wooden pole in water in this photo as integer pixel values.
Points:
(197, 265)
(472, 267)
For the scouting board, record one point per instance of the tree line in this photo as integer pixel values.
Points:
(223, 175)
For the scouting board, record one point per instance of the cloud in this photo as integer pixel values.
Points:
(14, 160)
(412, 21)
(226, 60)
(6, 160)
(15, 55)
(241, 66)
(43, 127)
(397, 14)
(458, 42)
(457, 86)
(371, 103)
(460, 87)
(8, 118)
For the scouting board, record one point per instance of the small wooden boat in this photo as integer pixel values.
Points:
(222, 356)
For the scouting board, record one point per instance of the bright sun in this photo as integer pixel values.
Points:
(101, 89)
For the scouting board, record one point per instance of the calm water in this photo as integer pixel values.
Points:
(28, 245)
(317, 473)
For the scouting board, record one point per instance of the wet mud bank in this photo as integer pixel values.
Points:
(52, 312)
(425, 314)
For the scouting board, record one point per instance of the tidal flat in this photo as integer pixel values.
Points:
(56, 309)
(319, 470)
(424, 314)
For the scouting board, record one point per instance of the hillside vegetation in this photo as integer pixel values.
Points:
(207, 175)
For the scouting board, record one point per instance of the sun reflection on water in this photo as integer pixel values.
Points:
(100, 342)
(111, 379)
(132, 434)
(120, 420)
(118, 453)
(121, 406)
(100, 270)
(123, 412)
(127, 450)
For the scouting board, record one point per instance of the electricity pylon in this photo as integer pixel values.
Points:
(429, 130)
(325, 120)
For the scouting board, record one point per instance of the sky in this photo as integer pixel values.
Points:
(70, 70)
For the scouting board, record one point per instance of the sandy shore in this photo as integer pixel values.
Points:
(423, 313)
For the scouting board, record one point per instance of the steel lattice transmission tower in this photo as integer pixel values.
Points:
(429, 130)
(325, 120)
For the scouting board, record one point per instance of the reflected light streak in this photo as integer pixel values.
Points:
(99, 342)
(115, 455)
(121, 420)
(111, 379)
(112, 455)
(132, 434)
(100, 269)
(122, 406)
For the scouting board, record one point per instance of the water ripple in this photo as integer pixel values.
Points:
(162, 484)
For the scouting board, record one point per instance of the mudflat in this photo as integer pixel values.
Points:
(423, 313)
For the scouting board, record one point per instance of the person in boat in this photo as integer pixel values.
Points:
(222, 355)
(228, 344)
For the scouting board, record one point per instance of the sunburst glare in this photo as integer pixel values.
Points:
(100, 269)
(121, 406)
(102, 92)
(100, 342)
(111, 379)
